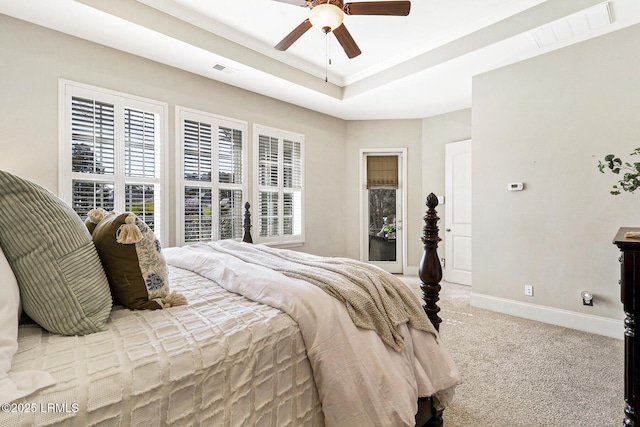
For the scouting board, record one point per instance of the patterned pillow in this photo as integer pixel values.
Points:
(133, 260)
(62, 284)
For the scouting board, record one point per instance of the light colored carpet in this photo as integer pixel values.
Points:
(518, 372)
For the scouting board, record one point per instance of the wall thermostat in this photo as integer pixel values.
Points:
(516, 186)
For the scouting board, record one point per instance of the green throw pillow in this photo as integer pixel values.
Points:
(62, 284)
(133, 261)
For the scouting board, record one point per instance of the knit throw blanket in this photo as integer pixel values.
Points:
(374, 299)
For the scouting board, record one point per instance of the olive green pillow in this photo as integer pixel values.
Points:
(62, 285)
(133, 261)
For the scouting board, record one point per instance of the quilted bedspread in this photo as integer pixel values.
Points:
(222, 360)
(361, 381)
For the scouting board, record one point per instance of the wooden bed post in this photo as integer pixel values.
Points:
(430, 273)
(246, 237)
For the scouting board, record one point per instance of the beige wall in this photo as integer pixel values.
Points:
(437, 131)
(425, 141)
(546, 122)
(367, 134)
(34, 58)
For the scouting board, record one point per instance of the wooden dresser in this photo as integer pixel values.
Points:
(630, 295)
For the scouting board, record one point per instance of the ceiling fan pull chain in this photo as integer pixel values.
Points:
(327, 56)
(329, 47)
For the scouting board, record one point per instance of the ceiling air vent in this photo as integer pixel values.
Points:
(572, 25)
(224, 69)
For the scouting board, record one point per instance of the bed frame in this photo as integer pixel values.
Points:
(430, 273)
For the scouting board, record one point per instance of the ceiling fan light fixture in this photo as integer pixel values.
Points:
(325, 16)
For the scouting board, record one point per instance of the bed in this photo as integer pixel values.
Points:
(248, 344)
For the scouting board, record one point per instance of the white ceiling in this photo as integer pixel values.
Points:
(410, 67)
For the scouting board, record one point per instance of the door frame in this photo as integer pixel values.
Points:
(402, 196)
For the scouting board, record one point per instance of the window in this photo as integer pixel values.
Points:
(112, 153)
(278, 208)
(211, 176)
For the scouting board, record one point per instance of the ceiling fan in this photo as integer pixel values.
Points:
(328, 15)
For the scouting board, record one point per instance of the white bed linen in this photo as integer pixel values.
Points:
(13, 385)
(360, 380)
(222, 361)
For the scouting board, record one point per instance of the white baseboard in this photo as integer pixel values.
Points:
(569, 319)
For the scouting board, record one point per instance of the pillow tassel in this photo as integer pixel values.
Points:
(173, 299)
(96, 215)
(129, 233)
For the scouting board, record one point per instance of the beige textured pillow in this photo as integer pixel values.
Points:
(133, 261)
(62, 284)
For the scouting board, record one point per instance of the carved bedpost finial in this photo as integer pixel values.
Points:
(430, 271)
(246, 237)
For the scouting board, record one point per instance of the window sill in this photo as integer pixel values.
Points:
(285, 245)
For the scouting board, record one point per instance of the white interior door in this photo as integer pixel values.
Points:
(382, 234)
(458, 212)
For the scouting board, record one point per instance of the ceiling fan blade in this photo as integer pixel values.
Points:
(346, 41)
(393, 8)
(294, 35)
(302, 3)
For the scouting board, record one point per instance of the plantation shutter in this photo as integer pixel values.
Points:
(92, 136)
(292, 191)
(112, 145)
(92, 153)
(87, 195)
(279, 200)
(197, 151)
(268, 200)
(230, 167)
(198, 219)
(139, 143)
(229, 155)
(140, 161)
(211, 147)
(198, 167)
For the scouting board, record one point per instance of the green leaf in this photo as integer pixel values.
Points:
(630, 180)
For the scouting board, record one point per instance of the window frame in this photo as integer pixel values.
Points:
(68, 89)
(280, 135)
(216, 121)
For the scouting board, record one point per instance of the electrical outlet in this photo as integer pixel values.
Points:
(528, 290)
